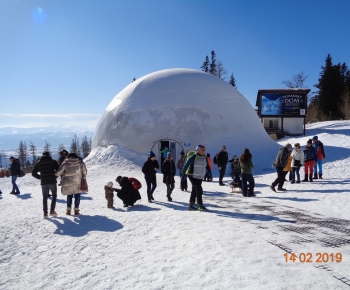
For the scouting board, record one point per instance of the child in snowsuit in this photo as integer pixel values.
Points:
(109, 194)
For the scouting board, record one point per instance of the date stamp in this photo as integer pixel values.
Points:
(318, 257)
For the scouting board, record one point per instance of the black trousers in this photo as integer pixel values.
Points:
(280, 177)
(247, 179)
(197, 190)
(222, 173)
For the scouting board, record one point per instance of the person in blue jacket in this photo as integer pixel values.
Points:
(195, 168)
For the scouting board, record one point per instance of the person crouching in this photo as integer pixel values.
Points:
(109, 194)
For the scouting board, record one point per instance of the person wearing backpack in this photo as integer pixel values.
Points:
(169, 170)
(195, 169)
(149, 169)
(222, 159)
(15, 170)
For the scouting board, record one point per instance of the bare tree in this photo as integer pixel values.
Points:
(32, 150)
(221, 72)
(297, 81)
(47, 146)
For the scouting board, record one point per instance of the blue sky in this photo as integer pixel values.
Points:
(72, 57)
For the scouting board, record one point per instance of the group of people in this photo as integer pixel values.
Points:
(288, 160)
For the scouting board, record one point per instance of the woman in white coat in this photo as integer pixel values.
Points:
(297, 161)
(72, 170)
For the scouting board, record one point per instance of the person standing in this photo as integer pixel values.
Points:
(15, 170)
(195, 169)
(62, 156)
(47, 167)
(208, 175)
(319, 148)
(109, 194)
(310, 157)
(297, 160)
(149, 169)
(222, 159)
(72, 170)
(180, 165)
(280, 163)
(169, 170)
(246, 164)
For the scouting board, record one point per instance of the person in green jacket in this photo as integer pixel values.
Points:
(246, 164)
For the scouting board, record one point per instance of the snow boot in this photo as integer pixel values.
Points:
(76, 211)
(202, 208)
(192, 207)
(310, 178)
(69, 211)
(293, 181)
(315, 176)
(305, 178)
(272, 188)
(298, 181)
(53, 213)
(46, 215)
(169, 198)
(320, 176)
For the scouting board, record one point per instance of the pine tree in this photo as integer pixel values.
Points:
(331, 85)
(47, 147)
(22, 153)
(85, 147)
(205, 65)
(232, 81)
(74, 146)
(32, 150)
(213, 63)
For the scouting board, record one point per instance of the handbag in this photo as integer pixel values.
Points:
(83, 185)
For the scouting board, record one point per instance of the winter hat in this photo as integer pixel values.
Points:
(169, 155)
(151, 154)
(118, 179)
(208, 155)
(110, 184)
(246, 151)
(182, 153)
(74, 155)
(199, 147)
(315, 138)
(289, 146)
(46, 153)
(309, 141)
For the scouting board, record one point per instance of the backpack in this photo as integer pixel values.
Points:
(135, 183)
(215, 159)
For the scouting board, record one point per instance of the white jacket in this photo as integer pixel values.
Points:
(297, 154)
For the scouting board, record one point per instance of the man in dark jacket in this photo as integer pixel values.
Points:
(126, 193)
(47, 168)
(281, 162)
(15, 170)
(222, 162)
(149, 169)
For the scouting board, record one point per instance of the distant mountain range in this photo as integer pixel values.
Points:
(10, 137)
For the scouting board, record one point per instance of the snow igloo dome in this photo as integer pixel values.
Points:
(179, 109)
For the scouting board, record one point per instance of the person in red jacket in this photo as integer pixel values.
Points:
(318, 145)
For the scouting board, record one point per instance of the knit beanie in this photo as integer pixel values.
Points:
(151, 154)
(110, 184)
(315, 138)
(289, 146)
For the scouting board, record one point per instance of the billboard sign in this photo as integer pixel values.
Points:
(283, 104)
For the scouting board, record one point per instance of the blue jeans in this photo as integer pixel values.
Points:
(76, 200)
(14, 185)
(295, 171)
(319, 162)
(151, 185)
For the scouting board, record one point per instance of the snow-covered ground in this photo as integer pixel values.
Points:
(240, 244)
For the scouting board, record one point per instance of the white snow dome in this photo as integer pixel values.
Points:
(179, 109)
